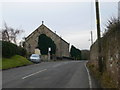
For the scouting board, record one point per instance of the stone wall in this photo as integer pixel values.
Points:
(31, 42)
(110, 44)
(64, 49)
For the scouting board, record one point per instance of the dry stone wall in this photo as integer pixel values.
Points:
(110, 44)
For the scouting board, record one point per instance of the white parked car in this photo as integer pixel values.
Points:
(35, 58)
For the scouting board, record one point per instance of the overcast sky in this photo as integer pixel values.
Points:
(73, 21)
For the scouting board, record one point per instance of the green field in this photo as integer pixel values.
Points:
(15, 61)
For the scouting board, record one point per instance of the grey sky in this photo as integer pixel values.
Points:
(73, 21)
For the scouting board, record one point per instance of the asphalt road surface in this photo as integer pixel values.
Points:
(61, 74)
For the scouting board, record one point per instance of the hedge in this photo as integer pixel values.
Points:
(10, 49)
(44, 42)
(75, 53)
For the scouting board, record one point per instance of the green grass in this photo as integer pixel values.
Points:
(14, 61)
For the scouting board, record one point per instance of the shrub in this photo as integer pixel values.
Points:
(75, 53)
(45, 42)
(10, 49)
(21, 51)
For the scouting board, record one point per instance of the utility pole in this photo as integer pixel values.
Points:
(119, 10)
(98, 36)
(91, 37)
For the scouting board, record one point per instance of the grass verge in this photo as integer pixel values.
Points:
(14, 61)
(104, 79)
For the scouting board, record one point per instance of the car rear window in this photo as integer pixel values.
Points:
(35, 55)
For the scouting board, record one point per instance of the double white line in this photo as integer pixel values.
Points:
(34, 73)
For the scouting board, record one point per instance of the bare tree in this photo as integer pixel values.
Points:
(9, 34)
(22, 42)
(5, 33)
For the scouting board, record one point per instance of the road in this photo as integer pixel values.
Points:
(61, 74)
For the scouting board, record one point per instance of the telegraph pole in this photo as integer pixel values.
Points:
(91, 37)
(98, 36)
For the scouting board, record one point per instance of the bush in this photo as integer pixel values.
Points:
(45, 42)
(75, 53)
(21, 51)
(10, 49)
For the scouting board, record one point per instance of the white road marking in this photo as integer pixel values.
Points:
(89, 78)
(34, 73)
